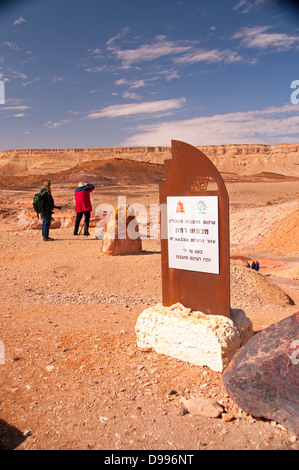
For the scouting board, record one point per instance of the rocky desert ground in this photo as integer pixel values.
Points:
(71, 375)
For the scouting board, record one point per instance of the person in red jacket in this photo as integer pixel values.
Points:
(83, 206)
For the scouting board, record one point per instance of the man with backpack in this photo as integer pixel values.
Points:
(44, 204)
(83, 206)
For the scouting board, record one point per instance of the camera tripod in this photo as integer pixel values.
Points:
(82, 226)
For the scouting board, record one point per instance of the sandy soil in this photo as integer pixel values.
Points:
(73, 377)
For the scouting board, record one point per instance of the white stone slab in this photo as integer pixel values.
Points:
(203, 340)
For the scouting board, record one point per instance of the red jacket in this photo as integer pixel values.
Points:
(82, 196)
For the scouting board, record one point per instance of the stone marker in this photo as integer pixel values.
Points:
(194, 233)
(194, 323)
(121, 235)
(263, 377)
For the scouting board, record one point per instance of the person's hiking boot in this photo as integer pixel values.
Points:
(49, 239)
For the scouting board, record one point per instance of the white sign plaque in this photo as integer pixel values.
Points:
(193, 233)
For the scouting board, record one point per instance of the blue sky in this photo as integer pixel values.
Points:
(112, 73)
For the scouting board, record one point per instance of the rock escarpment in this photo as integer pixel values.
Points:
(235, 158)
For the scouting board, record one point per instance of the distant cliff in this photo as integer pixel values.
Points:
(240, 159)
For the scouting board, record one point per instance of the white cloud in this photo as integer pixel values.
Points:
(169, 75)
(258, 37)
(181, 52)
(14, 108)
(271, 125)
(11, 73)
(135, 84)
(95, 53)
(36, 79)
(131, 96)
(121, 81)
(139, 83)
(11, 45)
(160, 47)
(100, 68)
(3, 78)
(55, 125)
(57, 79)
(212, 55)
(244, 6)
(152, 107)
(120, 35)
(19, 20)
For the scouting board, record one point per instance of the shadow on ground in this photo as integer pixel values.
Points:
(10, 437)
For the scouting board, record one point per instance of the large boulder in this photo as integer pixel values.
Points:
(121, 234)
(194, 337)
(263, 377)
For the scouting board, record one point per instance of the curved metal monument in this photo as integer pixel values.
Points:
(195, 233)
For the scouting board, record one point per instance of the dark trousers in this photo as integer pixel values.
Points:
(79, 216)
(46, 224)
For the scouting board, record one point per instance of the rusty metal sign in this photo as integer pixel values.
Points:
(195, 246)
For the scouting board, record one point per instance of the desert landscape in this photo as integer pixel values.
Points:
(73, 376)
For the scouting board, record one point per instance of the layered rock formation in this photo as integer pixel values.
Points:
(241, 159)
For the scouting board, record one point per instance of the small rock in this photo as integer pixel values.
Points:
(103, 419)
(183, 411)
(172, 392)
(203, 407)
(226, 417)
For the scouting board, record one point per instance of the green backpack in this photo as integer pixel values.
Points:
(38, 202)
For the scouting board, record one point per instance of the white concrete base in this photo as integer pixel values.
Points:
(203, 340)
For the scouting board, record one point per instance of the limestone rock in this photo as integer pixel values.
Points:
(121, 235)
(38, 225)
(263, 377)
(204, 340)
(203, 407)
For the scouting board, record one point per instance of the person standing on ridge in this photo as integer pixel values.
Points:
(83, 206)
(47, 207)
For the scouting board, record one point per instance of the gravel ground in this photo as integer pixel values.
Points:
(73, 377)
